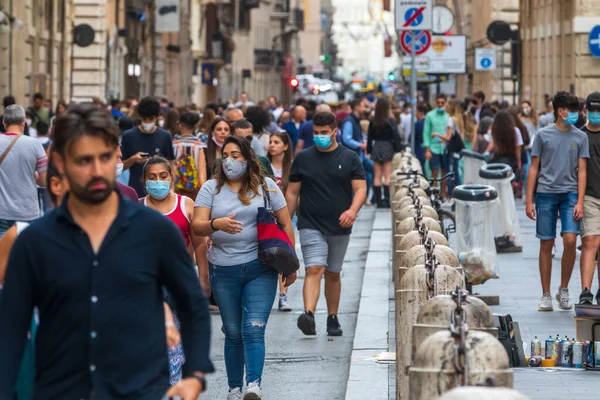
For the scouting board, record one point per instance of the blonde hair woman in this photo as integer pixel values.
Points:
(456, 126)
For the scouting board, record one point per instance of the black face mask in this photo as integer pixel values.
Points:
(473, 110)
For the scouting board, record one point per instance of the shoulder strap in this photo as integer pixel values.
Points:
(10, 146)
(266, 196)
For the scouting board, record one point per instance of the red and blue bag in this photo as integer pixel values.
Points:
(275, 249)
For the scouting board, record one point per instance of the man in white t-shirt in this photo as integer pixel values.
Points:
(20, 158)
(405, 127)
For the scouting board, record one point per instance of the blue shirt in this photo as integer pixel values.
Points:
(290, 128)
(419, 150)
(306, 134)
(102, 324)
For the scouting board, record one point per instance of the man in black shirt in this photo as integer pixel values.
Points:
(328, 181)
(147, 140)
(95, 267)
(590, 223)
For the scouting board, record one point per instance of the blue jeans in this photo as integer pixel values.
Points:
(547, 208)
(245, 295)
(5, 224)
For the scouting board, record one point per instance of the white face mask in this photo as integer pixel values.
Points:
(28, 121)
(119, 169)
(161, 123)
(148, 126)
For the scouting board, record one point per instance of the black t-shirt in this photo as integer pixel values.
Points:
(326, 190)
(134, 140)
(593, 164)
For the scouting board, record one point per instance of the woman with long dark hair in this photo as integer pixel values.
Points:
(520, 127)
(226, 210)
(382, 147)
(208, 117)
(506, 141)
(281, 156)
(171, 120)
(219, 130)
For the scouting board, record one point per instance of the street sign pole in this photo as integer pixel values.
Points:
(413, 93)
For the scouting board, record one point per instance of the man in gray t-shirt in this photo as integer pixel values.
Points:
(18, 190)
(560, 152)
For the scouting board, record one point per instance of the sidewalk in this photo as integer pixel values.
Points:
(519, 290)
(302, 367)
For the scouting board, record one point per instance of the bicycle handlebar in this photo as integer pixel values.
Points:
(432, 180)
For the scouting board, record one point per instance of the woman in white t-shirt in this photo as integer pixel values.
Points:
(281, 156)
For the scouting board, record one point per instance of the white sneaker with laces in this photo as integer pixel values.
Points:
(283, 303)
(234, 394)
(546, 303)
(564, 303)
(253, 392)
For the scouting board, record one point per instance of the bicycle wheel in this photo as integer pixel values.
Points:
(448, 223)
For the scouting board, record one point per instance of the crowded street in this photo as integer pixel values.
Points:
(299, 200)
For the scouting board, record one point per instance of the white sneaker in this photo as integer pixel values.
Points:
(564, 303)
(553, 251)
(546, 303)
(234, 394)
(253, 392)
(283, 304)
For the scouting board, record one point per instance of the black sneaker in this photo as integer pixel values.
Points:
(598, 297)
(586, 297)
(306, 323)
(333, 326)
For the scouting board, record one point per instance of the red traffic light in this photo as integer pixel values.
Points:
(294, 83)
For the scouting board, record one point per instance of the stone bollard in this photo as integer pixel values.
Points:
(418, 284)
(458, 357)
(410, 240)
(409, 201)
(417, 256)
(411, 224)
(435, 314)
(410, 211)
(418, 181)
(483, 393)
(405, 192)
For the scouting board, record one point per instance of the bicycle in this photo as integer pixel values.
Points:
(447, 218)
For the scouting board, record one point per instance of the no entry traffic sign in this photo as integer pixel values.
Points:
(411, 15)
(422, 41)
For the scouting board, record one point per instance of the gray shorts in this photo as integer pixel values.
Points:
(319, 250)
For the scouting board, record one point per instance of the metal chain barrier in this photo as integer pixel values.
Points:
(459, 330)
(431, 264)
(423, 232)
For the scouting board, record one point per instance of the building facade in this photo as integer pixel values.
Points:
(472, 19)
(556, 53)
(36, 50)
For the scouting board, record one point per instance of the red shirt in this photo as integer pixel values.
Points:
(127, 192)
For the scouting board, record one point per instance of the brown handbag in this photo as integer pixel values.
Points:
(10, 146)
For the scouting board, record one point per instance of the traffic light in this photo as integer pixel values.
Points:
(391, 77)
(294, 83)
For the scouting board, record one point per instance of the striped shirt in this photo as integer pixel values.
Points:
(18, 190)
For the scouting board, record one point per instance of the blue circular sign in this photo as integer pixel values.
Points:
(410, 13)
(486, 62)
(594, 41)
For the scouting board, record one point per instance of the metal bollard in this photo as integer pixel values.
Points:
(417, 286)
(435, 314)
(458, 357)
(483, 393)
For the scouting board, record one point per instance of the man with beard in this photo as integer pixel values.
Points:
(93, 269)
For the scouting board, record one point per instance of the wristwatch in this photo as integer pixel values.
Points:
(201, 380)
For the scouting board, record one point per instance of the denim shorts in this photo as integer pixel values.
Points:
(438, 161)
(547, 207)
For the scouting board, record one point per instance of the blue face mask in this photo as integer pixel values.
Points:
(572, 118)
(158, 189)
(322, 141)
(441, 109)
(594, 117)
